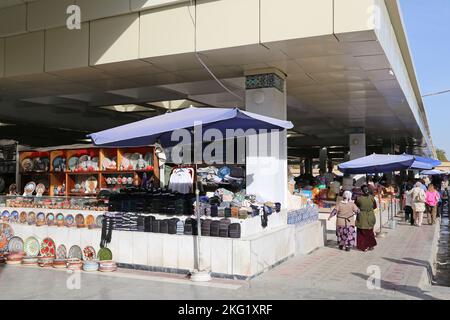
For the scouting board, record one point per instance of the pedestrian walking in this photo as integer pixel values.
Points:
(444, 199)
(365, 220)
(345, 213)
(409, 213)
(432, 198)
(418, 201)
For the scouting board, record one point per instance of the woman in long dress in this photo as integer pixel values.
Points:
(345, 221)
(366, 220)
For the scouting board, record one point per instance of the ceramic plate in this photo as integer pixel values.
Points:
(90, 220)
(40, 188)
(91, 184)
(40, 217)
(83, 162)
(59, 217)
(15, 244)
(94, 163)
(61, 252)
(6, 233)
(23, 217)
(72, 164)
(79, 219)
(89, 253)
(70, 221)
(134, 159)
(104, 254)
(99, 221)
(148, 158)
(58, 164)
(31, 247)
(30, 187)
(50, 218)
(75, 252)
(5, 216)
(125, 165)
(27, 164)
(14, 217)
(31, 218)
(48, 248)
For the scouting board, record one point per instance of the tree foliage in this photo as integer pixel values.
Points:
(441, 155)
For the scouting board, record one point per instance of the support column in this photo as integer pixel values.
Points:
(323, 159)
(267, 171)
(357, 143)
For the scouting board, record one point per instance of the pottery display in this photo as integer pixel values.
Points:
(14, 217)
(90, 220)
(69, 221)
(61, 252)
(6, 233)
(90, 266)
(29, 189)
(30, 261)
(5, 216)
(44, 261)
(31, 218)
(48, 248)
(31, 247)
(107, 266)
(40, 189)
(89, 253)
(104, 254)
(50, 218)
(40, 219)
(74, 264)
(75, 252)
(27, 165)
(99, 221)
(59, 164)
(72, 164)
(23, 217)
(59, 263)
(60, 220)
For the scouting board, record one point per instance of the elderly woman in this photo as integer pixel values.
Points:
(345, 221)
(366, 220)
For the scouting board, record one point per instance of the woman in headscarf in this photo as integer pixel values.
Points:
(345, 221)
(366, 220)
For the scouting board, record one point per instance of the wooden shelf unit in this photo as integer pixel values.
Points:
(53, 178)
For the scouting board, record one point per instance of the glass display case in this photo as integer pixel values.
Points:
(46, 202)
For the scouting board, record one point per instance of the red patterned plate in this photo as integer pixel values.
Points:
(89, 253)
(48, 248)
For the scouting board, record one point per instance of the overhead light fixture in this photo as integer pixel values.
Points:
(294, 134)
(84, 140)
(175, 104)
(2, 124)
(126, 108)
(391, 72)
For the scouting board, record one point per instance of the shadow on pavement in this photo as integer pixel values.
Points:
(414, 262)
(407, 290)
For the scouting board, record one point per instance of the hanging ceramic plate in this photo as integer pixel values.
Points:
(23, 217)
(61, 252)
(58, 164)
(89, 253)
(15, 245)
(83, 162)
(125, 164)
(29, 188)
(48, 248)
(104, 254)
(31, 218)
(79, 219)
(90, 220)
(14, 217)
(5, 216)
(134, 159)
(59, 217)
(31, 247)
(40, 189)
(95, 162)
(27, 164)
(50, 218)
(40, 217)
(6, 233)
(70, 221)
(72, 164)
(99, 221)
(75, 252)
(91, 184)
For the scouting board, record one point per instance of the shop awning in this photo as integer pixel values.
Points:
(160, 128)
(432, 172)
(377, 163)
(424, 163)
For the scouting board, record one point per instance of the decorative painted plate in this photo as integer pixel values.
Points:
(89, 253)
(50, 218)
(14, 217)
(104, 254)
(79, 219)
(6, 233)
(31, 218)
(59, 217)
(5, 216)
(29, 188)
(15, 244)
(40, 189)
(95, 162)
(40, 217)
(148, 158)
(126, 163)
(75, 252)
(99, 221)
(23, 217)
(48, 248)
(90, 220)
(72, 164)
(31, 247)
(134, 159)
(70, 221)
(27, 164)
(61, 252)
(58, 164)
(91, 184)
(83, 162)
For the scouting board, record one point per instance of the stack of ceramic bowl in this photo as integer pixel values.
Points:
(59, 263)
(30, 261)
(15, 258)
(107, 266)
(45, 261)
(90, 265)
(74, 264)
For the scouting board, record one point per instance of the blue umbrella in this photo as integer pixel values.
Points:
(432, 172)
(424, 163)
(377, 163)
(160, 128)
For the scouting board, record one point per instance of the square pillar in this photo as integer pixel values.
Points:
(266, 156)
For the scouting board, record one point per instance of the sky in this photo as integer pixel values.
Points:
(427, 24)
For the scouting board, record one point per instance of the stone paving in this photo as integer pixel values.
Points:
(403, 258)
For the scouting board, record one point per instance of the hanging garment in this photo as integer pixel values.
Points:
(181, 180)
